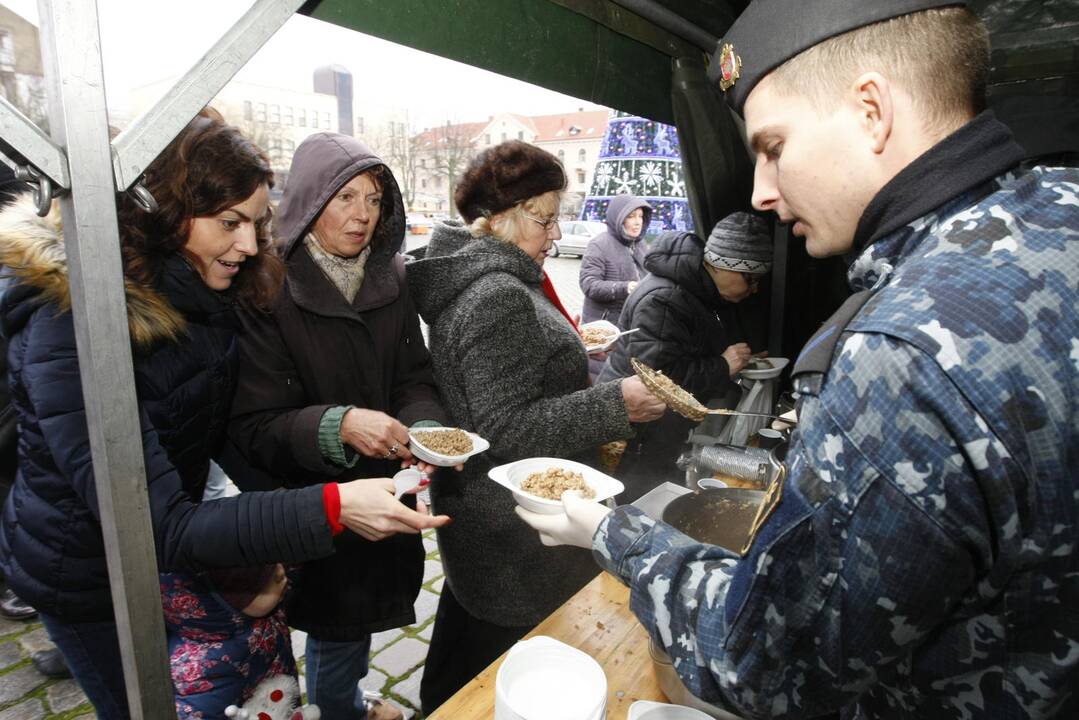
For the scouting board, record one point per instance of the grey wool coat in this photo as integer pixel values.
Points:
(511, 368)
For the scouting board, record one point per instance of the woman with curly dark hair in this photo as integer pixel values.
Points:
(188, 267)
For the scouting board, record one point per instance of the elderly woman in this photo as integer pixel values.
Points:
(677, 309)
(511, 367)
(332, 379)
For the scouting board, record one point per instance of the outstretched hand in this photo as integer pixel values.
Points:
(370, 509)
(576, 526)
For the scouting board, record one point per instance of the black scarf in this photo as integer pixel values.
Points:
(969, 157)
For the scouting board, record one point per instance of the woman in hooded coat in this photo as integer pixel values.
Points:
(332, 379)
(613, 263)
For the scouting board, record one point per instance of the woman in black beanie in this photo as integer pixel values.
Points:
(511, 367)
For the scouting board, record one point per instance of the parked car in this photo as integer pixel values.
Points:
(575, 236)
(417, 224)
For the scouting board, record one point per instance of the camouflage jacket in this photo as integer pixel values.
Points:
(922, 562)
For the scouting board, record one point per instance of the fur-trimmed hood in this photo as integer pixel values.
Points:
(34, 272)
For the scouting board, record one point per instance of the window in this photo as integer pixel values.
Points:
(582, 155)
(438, 181)
(423, 162)
(249, 110)
(286, 115)
(275, 114)
(359, 126)
(260, 112)
(580, 176)
(487, 139)
(314, 118)
(7, 51)
(423, 183)
(326, 120)
(520, 135)
(562, 156)
(301, 117)
(503, 137)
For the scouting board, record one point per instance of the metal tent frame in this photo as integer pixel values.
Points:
(80, 167)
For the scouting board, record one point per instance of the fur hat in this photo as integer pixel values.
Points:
(504, 175)
(740, 242)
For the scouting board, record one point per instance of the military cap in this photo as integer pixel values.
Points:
(770, 32)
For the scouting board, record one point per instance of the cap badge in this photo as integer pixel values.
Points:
(730, 67)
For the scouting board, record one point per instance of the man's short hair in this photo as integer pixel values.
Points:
(940, 57)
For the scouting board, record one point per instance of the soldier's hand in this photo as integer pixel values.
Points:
(576, 526)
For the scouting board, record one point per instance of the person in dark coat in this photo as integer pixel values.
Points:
(613, 264)
(186, 267)
(331, 381)
(677, 308)
(512, 368)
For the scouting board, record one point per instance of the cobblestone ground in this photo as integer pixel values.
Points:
(396, 655)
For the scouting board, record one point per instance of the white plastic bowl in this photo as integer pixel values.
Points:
(511, 476)
(777, 364)
(647, 710)
(430, 456)
(609, 327)
(545, 679)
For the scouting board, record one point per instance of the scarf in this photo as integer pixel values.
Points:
(346, 274)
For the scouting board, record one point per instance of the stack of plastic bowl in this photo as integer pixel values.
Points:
(544, 679)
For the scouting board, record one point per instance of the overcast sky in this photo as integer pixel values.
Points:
(146, 40)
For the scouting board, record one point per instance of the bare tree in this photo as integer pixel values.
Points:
(400, 148)
(451, 148)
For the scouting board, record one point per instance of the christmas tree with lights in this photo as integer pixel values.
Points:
(640, 157)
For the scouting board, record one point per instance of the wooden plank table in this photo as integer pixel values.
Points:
(598, 621)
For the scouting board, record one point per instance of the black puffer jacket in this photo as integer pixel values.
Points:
(316, 351)
(51, 547)
(677, 310)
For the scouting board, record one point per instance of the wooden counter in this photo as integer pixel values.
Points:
(598, 621)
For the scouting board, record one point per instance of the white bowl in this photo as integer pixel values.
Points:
(611, 329)
(430, 456)
(511, 476)
(647, 710)
(545, 679)
(766, 374)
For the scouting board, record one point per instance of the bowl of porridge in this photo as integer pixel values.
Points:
(445, 447)
(537, 484)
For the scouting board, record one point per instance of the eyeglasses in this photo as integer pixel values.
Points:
(545, 224)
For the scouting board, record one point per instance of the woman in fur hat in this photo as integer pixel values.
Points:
(187, 266)
(511, 367)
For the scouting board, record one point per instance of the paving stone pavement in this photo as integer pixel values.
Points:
(396, 655)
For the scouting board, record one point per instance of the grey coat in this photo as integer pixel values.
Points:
(612, 261)
(513, 369)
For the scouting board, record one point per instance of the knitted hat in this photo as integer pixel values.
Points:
(740, 242)
(504, 175)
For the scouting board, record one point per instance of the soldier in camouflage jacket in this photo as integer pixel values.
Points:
(922, 560)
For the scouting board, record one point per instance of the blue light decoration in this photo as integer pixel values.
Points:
(640, 157)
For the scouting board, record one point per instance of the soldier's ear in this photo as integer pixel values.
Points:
(874, 104)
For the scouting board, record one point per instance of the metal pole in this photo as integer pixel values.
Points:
(671, 22)
(70, 44)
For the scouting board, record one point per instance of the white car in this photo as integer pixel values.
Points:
(576, 235)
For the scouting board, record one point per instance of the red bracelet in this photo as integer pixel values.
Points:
(331, 501)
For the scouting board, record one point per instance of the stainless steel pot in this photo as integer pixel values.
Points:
(719, 516)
